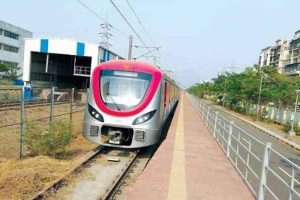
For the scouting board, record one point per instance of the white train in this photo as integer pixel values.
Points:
(128, 102)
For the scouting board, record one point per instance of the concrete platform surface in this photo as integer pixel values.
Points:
(189, 164)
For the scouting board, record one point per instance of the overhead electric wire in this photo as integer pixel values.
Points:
(131, 27)
(129, 24)
(142, 25)
(96, 14)
(140, 22)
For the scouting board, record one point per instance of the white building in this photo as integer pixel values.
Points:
(61, 62)
(280, 54)
(293, 66)
(265, 57)
(12, 44)
(277, 55)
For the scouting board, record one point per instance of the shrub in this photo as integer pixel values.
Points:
(10, 96)
(49, 141)
(287, 127)
(5, 82)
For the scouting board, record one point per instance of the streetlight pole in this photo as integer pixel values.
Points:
(224, 92)
(292, 131)
(259, 94)
(130, 47)
(225, 82)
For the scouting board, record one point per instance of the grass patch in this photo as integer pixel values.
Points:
(49, 141)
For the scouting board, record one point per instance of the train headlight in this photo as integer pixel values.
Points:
(144, 118)
(95, 114)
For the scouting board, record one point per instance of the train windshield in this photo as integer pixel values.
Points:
(123, 90)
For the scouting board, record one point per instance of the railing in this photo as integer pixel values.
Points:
(82, 70)
(255, 161)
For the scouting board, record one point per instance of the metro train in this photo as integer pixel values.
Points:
(128, 103)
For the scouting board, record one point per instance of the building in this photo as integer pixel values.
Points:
(277, 55)
(280, 54)
(293, 67)
(63, 63)
(12, 44)
(265, 57)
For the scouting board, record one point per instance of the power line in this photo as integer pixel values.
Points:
(140, 22)
(143, 55)
(142, 25)
(96, 14)
(131, 27)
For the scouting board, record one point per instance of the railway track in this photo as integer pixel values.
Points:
(16, 106)
(99, 176)
(105, 173)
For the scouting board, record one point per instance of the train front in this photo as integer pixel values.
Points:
(124, 105)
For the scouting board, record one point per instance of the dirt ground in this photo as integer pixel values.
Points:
(23, 178)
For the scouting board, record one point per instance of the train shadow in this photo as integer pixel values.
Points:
(164, 133)
(167, 124)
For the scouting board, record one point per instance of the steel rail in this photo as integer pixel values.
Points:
(111, 192)
(56, 183)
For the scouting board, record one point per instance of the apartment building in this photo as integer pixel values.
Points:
(277, 55)
(265, 56)
(293, 67)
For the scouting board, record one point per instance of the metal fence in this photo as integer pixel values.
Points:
(255, 161)
(21, 106)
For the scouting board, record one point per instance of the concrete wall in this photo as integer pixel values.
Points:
(281, 116)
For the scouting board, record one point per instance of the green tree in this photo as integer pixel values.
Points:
(9, 71)
(242, 89)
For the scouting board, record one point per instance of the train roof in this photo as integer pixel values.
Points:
(130, 66)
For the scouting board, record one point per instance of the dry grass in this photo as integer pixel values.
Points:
(21, 179)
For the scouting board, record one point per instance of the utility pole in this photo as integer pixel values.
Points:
(105, 34)
(130, 47)
(259, 94)
(225, 82)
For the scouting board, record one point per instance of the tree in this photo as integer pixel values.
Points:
(9, 71)
(242, 89)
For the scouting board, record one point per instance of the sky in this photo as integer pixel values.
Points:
(199, 38)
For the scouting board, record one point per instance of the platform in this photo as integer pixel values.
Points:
(189, 164)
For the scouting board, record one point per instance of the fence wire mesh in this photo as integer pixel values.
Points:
(19, 107)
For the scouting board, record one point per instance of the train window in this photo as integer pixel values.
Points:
(122, 90)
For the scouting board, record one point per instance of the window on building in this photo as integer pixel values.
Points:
(1, 31)
(11, 35)
(10, 48)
